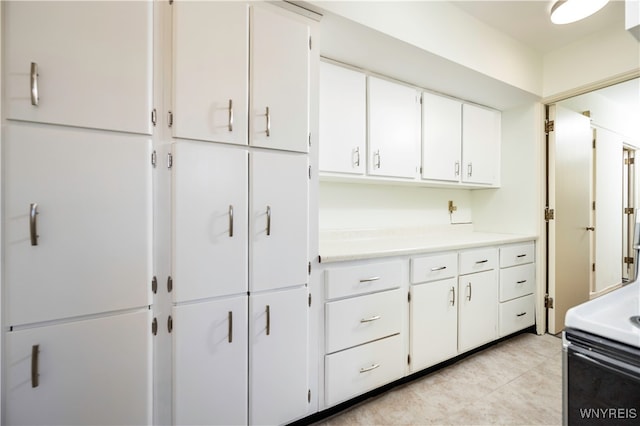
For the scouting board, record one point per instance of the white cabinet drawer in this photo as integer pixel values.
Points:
(363, 368)
(517, 254)
(360, 279)
(432, 268)
(478, 260)
(517, 281)
(516, 314)
(358, 320)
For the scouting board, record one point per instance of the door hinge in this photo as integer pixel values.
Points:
(309, 299)
(154, 158)
(154, 285)
(169, 160)
(309, 396)
(549, 214)
(154, 326)
(548, 302)
(628, 161)
(170, 324)
(628, 260)
(169, 284)
(170, 118)
(549, 126)
(629, 210)
(154, 117)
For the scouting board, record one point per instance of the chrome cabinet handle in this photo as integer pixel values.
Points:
(438, 268)
(231, 220)
(33, 228)
(35, 99)
(376, 159)
(268, 310)
(231, 115)
(478, 262)
(521, 255)
(268, 220)
(268, 122)
(457, 168)
(469, 169)
(521, 282)
(469, 296)
(370, 319)
(356, 159)
(368, 280)
(521, 314)
(230, 321)
(372, 367)
(453, 296)
(35, 375)
(590, 228)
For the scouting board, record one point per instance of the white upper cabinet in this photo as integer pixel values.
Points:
(85, 64)
(211, 65)
(278, 222)
(481, 129)
(394, 130)
(279, 80)
(210, 254)
(343, 119)
(78, 222)
(441, 138)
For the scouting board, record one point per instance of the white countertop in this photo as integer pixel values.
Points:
(345, 245)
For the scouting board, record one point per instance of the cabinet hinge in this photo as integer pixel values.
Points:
(629, 210)
(628, 260)
(170, 324)
(309, 299)
(154, 158)
(169, 160)
(169, 284)
(309, 396)
(549, 214)
(154, 285)
(549, 126)
(548, 302)
(154, 117)
(170, 118)
(154, 326)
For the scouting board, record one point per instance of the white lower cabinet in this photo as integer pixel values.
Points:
(87, 372)
(210, 362)
(478, 313)
(517, 286)
(517, 314)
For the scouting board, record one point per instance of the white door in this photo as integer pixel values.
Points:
(210, 207)
(441, 138)
(480, 145)
(211, 70)
(278, 365)
(279, 79)
(210, 356)
(278, 223)
(86, 64)
(343, 119)
(478, 309)
(77, 222)
(434, 323)
(394, 130)
(570, 147)
(90, 372)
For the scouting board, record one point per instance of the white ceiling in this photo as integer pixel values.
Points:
(528, 21)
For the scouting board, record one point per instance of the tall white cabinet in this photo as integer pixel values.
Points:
(77, 214)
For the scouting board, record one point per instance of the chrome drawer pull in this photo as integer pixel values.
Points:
(370, 319)
(453, 297)
(356, 160)
(469, 296)
(33, 228)
(521, 255)
(35, 99)
(268, 122)
(368, 280)
(521, 314)
(438, 268)
(231, 115)
(376, 160)
(521, 282)
(231, 220)
(230, 320)
(268, 311)
(482, 261)
(268, 220)
(372, 367)
(35, 352)
(457, 168)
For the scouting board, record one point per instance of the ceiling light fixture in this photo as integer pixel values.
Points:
(568, 11)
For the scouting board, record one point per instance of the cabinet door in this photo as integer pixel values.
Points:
(90, 372)
(278, 382)
(211, 70)
(478, 311)
(210, 254)
(78, 222)
(480, 145)
(279, 80)
(210, 362)
(279, 220)
(394, 130)
(343, 119)
(92, 63)
(434, 323)
(442, 138)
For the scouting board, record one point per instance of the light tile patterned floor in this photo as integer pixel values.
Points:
(516, 382)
